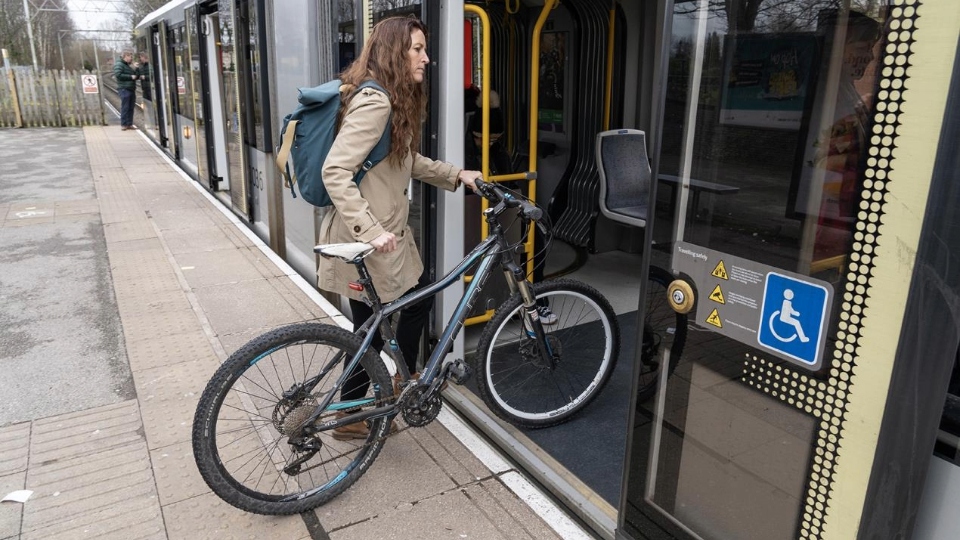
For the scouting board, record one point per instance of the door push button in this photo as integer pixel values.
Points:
(680, 295)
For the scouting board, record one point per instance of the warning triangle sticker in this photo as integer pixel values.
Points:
(717, 295)
(714, 318)
(720, 271)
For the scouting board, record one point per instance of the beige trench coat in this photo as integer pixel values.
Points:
(379, 205)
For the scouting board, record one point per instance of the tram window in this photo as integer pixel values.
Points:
(184, 100)
(346, 34)
(256, 132)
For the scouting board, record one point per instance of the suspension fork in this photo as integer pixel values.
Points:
(531, 325)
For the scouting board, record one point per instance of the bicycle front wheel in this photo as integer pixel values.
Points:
(523, 388)
(247, 438)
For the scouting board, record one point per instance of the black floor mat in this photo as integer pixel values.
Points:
(591, 445)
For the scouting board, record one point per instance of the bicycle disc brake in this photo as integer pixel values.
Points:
(419, 407)
(531, 353)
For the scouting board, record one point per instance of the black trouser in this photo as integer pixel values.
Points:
(409, 329)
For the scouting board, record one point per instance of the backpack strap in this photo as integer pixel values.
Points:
(283, 155)
(382, 149)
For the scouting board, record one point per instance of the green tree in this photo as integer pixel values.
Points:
(140, 9)
(47, 25)
(774, 15)
(13, 32)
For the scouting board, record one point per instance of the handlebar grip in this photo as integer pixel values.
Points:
(530, 211)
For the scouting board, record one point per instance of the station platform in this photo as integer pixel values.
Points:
(123, 286)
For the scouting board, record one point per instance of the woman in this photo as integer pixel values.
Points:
(376, 211)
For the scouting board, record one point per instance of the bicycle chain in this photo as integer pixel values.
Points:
(390, 433)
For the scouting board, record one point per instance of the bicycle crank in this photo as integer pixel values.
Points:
(419, 406)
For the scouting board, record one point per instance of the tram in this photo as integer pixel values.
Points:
(802, 176)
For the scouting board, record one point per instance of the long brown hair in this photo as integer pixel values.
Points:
(384, 59)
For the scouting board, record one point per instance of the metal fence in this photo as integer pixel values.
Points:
(50, 98)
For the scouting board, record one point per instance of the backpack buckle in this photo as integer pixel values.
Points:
(367, 165)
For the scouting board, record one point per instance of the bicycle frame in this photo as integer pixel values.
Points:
(487, 252)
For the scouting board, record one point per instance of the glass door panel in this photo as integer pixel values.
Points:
(226, 54)
(765, 143)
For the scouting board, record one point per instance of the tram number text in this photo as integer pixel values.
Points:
(256, 177)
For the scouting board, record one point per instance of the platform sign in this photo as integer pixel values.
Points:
(776, 311)
(793, 317)
(90, 85)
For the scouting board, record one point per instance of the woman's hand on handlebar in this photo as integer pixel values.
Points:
(469, 178)
(385, 243)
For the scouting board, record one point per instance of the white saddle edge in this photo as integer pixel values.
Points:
(347, 252)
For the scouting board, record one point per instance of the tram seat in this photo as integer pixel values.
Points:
(625, 176)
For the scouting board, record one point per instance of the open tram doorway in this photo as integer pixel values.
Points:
(577, 97)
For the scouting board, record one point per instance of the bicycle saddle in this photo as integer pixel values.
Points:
(347, 252)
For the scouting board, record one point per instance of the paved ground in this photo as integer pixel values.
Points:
(122, 288)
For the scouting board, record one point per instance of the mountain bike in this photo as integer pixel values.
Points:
(265, 433)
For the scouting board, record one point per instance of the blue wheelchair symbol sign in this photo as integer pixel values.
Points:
(793, 318)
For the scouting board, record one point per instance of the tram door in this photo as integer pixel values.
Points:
(217, 127)
(149, 95)
(196, 35)
(160, 81)
(782, 149)
(168, 81)
(225, 47)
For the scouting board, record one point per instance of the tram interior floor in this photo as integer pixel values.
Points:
(591, 444)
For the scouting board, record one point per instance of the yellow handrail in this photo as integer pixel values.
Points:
(531, 175)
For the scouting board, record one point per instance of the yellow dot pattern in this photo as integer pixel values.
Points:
(826, 399)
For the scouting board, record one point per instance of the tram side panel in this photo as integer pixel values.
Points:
(296, 33)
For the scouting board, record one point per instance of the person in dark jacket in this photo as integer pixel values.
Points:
(500, 162)
(143, 75)
(126, 77)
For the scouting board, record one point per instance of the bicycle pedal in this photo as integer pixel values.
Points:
(459, 371)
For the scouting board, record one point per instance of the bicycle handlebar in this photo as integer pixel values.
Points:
(497, 194)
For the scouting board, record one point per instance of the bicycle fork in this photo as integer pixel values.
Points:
(531, 325)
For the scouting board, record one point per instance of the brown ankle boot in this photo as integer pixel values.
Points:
(397, 380)
(357, 430)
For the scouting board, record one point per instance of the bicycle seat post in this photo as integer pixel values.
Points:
(372, 299)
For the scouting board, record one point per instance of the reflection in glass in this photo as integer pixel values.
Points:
(184, 101)
(196, 77)
(772, 108)
(226, 52)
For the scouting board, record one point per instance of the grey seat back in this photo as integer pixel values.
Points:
(625, 176)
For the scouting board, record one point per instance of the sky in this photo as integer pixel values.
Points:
(85, 16)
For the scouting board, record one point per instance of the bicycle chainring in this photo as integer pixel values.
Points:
(416, 410)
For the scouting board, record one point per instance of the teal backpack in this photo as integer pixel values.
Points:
(307, 135)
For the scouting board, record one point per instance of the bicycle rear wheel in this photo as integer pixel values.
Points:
(663, 330)
(260, 397)
(521, 387)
